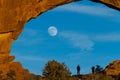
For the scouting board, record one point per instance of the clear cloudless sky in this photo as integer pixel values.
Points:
(88, 35)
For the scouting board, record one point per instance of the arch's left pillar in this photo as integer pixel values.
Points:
(13, 15)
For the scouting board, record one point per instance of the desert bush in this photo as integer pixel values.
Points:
(56, 71)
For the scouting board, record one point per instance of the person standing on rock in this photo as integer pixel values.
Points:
(93, 69)
(78, 70)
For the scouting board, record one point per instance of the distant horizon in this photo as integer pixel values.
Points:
(87, 34)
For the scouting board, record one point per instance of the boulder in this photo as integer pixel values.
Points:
(113, 68)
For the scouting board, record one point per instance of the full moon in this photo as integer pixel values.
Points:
(52, 31)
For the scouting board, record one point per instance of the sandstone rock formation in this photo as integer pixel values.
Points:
(111, 3)
(113, 68)
(13, 15)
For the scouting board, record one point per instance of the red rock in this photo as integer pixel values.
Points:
(113, 68)
(13, 15)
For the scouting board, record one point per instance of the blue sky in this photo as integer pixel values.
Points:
(88, 34)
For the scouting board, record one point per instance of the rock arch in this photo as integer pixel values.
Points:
(14, 14)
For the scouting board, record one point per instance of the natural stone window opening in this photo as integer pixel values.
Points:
(23, 54)
(15, 13)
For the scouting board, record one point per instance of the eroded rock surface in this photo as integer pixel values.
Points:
(111, 3)
(113, 68)
(13, 15)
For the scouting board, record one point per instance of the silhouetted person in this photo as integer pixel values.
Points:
(93, 69)
(78, 70)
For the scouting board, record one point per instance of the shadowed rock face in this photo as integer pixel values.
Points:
(113, 68)
(13, 15)
(110, 3)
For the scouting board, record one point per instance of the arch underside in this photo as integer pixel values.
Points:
(15, 13)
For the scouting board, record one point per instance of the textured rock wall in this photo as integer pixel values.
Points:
(113, 68)
(13, 15)
(111, 3)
